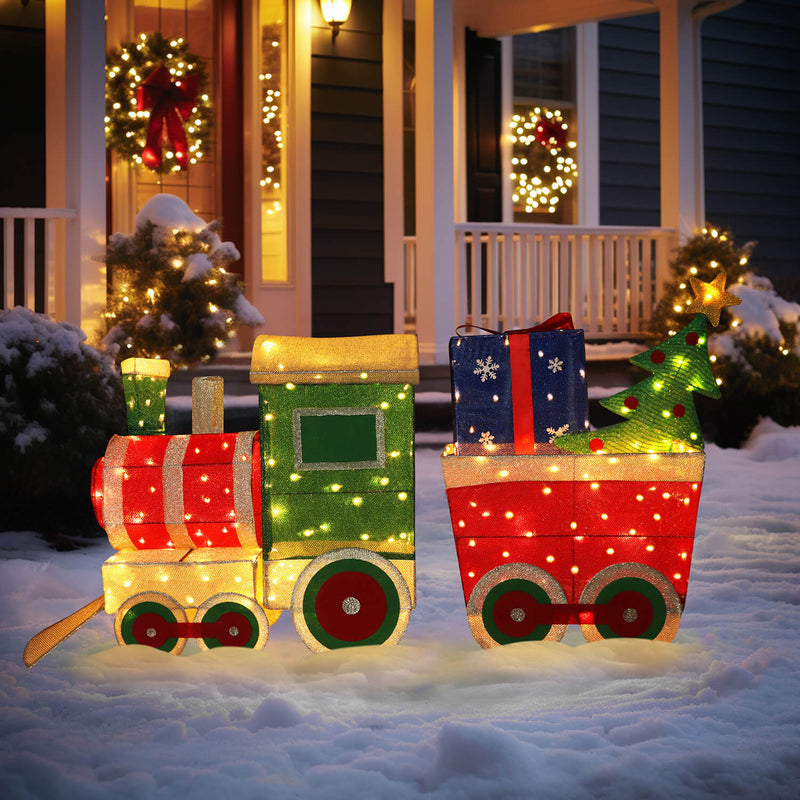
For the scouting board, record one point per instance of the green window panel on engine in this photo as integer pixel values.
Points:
(338, 438)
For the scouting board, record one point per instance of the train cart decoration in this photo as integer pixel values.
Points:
(218, 533)
(595, 528)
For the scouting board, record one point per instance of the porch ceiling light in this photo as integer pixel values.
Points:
(335, 13)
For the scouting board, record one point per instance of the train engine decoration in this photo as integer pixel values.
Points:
(576, 526)
(216, 534)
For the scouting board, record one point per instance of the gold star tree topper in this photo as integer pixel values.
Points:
(711, 298)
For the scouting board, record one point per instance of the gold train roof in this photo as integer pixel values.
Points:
(392, 358)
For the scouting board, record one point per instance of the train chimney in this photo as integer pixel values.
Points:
(144, 381)
(208, 411)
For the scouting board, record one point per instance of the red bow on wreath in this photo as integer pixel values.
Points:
(550, 133)
(170, 104)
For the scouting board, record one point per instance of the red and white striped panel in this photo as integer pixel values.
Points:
(199, 490)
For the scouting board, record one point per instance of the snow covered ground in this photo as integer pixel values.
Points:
(716, 713)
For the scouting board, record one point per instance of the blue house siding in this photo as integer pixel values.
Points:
(629, 120)
(751, 85)
(751, 94)
(349, 295)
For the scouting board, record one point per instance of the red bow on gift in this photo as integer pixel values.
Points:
(560, 321)
(169, 104)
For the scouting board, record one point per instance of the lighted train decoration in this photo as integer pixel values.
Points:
(218, 533)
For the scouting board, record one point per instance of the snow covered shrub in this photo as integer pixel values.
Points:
(757, 360)
(172, 295)
(755, 348)
(60, 402)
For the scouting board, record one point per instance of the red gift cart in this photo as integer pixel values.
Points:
(552, 539)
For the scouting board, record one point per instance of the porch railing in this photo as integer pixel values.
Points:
(511, 276)
(28, 256)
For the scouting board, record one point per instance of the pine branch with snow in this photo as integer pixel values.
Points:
(173, 295)
(756, 348)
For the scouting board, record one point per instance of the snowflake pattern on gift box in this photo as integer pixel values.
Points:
(556, 432)
(487, 368)
(486, 438)
(555, 365)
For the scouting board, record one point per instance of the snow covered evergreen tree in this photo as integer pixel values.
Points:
(172, 295)
(755, 351)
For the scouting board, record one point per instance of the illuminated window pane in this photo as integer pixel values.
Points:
(273, 195)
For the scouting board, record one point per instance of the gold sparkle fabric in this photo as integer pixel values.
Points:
(190, 577)
(146, 367)
(462, 471)
(392, 358)
(208, 409)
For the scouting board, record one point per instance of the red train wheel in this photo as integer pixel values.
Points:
(350, 597)
(149, 618)
(633, 601)
(506, 604)
(239, 620)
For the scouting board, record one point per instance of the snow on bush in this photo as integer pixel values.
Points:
(762, 314)
(757, 360)
(173, 296)
(60, 401)
(756, 348)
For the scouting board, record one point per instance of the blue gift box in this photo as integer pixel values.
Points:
(512, 390)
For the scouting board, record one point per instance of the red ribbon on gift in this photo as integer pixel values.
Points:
(560, 321)
(169, 104)
(521, 386)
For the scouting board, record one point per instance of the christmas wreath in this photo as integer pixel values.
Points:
(157, 106)
(544, 170)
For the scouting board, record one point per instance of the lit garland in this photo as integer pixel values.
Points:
(152, 77)
(272, 138)
(544, 171)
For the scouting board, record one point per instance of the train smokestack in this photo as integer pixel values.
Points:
(208, 410)
(144, 381)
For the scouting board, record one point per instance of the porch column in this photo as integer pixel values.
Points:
(682, 185)
(435, 262)
(76, 73)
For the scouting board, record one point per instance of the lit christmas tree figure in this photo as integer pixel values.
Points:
(659, 411)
